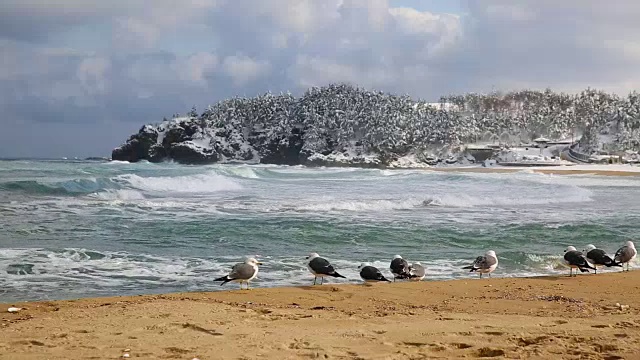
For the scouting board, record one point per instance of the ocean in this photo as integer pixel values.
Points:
(71, 229)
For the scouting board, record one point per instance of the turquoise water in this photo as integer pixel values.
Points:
(73, 229)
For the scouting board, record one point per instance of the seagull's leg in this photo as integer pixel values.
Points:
(322, 280)
(314, 279)
(480, 275)
(247, 285)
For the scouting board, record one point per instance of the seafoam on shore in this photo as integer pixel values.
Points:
(74, 228)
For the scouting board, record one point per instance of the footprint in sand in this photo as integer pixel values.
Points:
(176, 350)
(488, 352)
(494, 333)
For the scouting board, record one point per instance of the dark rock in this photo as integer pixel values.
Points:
(284, 150)
(186, 153)
(157, 153)
(137, 147)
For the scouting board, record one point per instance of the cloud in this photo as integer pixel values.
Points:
(243, 69)
(92, 73)
(568, 45)
(124, 62)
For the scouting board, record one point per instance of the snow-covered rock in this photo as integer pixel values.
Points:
(341, 125)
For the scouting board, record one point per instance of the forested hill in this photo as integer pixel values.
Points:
(371, 128)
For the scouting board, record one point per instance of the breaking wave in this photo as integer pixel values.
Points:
(126, 186)
(202, 183)
(66, 187)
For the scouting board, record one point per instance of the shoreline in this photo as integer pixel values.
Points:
(600, 170)
(538, 317)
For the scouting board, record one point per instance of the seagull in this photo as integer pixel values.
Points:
(370, 273)
(242, 272)
(626, 254)
(599, 257)
(399, 268)
(484, 264)
(576, 260)
(417, 272)
(320, 268)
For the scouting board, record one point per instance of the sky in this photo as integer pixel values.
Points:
(78, 77)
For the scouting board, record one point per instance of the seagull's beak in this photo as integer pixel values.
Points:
(307, 258)
(259, 263)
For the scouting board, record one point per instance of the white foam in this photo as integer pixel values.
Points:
(360, 205)
(463, 200)
(201, 183)
(444, 200)
(122, 194)
(585, 180)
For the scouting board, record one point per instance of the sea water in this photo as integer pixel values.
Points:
(72, 229)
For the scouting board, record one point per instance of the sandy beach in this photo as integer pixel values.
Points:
(602, 170)
(587, 317)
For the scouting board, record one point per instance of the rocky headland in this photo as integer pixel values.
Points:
(341, 125)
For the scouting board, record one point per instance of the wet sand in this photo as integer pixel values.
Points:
(536, 318)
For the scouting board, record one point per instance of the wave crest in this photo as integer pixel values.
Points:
(125, 187)
(201, 183)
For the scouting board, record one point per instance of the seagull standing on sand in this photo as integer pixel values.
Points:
(320, 268)
(484, 264)
(399, 268)
(576, 260)
(370, 273)
(626, 254)
(417, 272)
(242, 272)
(599, 257)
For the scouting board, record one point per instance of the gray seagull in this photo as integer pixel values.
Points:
(626, 254)
(484, 264)
(242, 272)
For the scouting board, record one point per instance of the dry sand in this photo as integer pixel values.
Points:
(539, 318)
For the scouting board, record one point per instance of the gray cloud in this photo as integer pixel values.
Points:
(72, 65)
